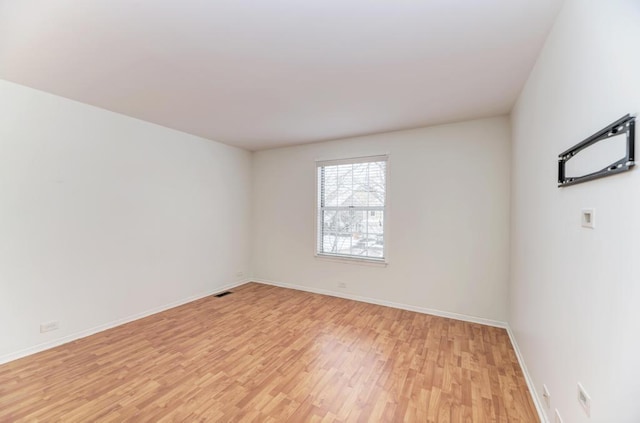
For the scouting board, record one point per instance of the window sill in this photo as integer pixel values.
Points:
(353, 260)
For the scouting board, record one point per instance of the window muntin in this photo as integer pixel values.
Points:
(351, 208)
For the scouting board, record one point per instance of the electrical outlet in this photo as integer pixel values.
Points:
(584, 399)
(48, 327)
(558, 418)
(546, 395)
(342, 285)
(239, 274)
(589, 218)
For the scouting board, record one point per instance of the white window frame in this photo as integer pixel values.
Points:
(383, 261)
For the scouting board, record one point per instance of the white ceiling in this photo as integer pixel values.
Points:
(264, 73)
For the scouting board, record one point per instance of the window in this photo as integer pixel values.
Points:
(351, 208)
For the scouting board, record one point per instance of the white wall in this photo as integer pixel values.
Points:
(103, 217)
(447, 227)
(575, 292)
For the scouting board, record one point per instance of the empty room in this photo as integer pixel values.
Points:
(319, 211)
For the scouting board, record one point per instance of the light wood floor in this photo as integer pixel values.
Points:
(270, 354)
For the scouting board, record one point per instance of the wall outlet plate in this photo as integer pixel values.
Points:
(48, 327)
(342, 285)
(584, 399)
(588, 218)
(546, 395)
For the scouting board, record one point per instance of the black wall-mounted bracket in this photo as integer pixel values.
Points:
(624, 125)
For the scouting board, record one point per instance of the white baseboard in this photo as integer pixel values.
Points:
(87, 332)
(527, 377)
(424, 310)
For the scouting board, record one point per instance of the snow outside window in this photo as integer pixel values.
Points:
(351, 208)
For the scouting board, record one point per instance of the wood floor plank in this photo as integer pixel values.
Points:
(269, 354)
